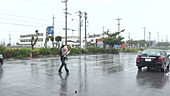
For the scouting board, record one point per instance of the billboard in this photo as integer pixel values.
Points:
(99, 41)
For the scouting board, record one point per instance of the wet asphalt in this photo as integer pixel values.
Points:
(90, 75)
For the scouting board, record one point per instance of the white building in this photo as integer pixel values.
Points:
(73, 41)
(25, 40)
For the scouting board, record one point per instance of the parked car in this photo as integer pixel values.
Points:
(168, 52)
(1, 59)
(155, 58)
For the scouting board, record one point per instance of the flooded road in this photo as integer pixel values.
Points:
(90, 75)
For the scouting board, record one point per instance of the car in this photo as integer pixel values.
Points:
(168, 52)
(156, 58)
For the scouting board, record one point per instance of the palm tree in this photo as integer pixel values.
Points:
(58, 39)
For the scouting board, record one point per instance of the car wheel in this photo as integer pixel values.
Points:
(139, 68)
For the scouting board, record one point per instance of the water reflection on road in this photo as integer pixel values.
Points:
(90, 75)
(152, 79)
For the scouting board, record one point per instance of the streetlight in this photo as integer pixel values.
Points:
(65, 1)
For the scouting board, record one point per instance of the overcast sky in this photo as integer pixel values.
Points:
(25, 16)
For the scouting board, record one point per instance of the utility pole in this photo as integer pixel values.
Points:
(85, 29)
(53, 20)
(103, 31)
(118, 19)
(144, 32)
(80, 16)
(149, 38)
(158, 37)
(65, 1)
(129, 40)
(9, 39)
(53, 27)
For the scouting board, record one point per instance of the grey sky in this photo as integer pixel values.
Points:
(25, 16)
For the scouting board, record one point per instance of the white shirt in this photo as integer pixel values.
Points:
(1, 56)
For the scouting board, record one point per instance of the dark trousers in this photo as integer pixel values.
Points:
(1, 61)
(63, 64)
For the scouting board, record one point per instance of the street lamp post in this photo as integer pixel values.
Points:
(65, 1)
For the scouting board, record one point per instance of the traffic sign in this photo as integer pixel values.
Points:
(50, 30)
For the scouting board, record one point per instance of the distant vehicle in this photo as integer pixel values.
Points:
(156, 58)
(1, 60)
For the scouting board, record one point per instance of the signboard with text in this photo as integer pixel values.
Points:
(50, 30)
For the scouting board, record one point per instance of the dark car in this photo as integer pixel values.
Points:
(155, 58)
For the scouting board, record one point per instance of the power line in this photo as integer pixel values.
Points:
(20, 20)
(21, 24)
(23, 16)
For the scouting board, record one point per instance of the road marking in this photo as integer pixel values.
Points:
(130, 69)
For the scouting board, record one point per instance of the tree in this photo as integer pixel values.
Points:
(58, 39)
(52, 39)
(34, 39)
(113, 38)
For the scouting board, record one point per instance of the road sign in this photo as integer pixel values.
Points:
(50, 30)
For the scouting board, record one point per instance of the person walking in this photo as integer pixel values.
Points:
(1, 59)
(63, 55)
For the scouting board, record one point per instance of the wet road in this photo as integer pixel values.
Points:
(90, 75)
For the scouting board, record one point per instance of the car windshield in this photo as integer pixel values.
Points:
(152, 52)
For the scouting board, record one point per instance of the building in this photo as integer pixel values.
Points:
(95, 40)
(25, 40)
(73, 41)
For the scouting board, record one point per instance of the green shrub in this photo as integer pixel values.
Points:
(54, 51)
(84, 51)
(115, 51)
(75, 51)
(8, 53)
(107, 51)
(92, 49)
(130, 50)
(20, 53)
(35, 52)
(44, 51)
(2, 49)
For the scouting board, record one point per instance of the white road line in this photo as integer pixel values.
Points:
(130, 69)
